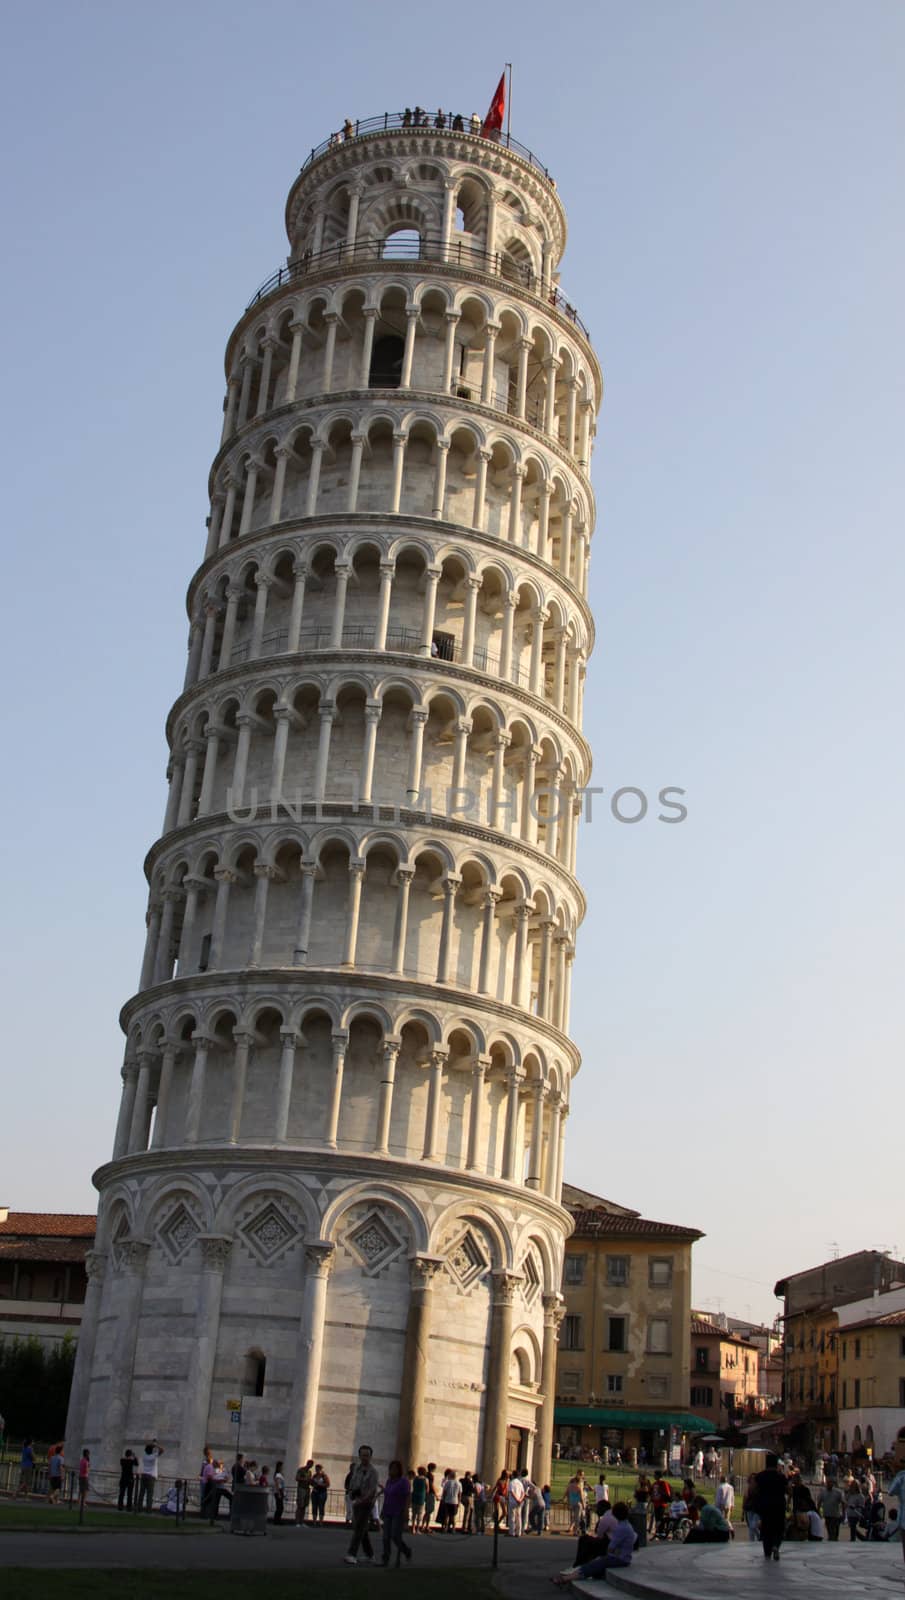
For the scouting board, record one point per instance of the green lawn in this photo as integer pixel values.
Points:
(622, 1483)
(17, 1516)
(21, 1583)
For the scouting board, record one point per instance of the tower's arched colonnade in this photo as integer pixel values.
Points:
(335, 1183)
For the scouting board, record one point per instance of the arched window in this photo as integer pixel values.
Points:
(386, 362)
(255, 1369)
(403, 244)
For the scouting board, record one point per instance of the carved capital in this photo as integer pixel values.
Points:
(422, 1272)
(505, 1285)
(215, 1251)
(96, 1266)
(133, 1254)
(320, 1255)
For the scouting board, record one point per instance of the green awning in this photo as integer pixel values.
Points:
(612, 1417)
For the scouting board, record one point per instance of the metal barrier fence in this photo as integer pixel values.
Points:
(420, 121)
(359, 637)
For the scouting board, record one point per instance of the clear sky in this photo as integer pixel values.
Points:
(733, 175)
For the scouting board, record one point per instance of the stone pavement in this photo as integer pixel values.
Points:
(738, 1571)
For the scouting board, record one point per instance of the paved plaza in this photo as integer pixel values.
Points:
(739, 1572)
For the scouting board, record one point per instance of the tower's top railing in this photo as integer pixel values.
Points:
(420, 121)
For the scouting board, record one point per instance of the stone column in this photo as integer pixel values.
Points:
(264, 583)
(251, 486)
(411, 323)
(133, 1255)
(340, 1041)
(196, 643)
(284, 717)
(193, 750)
(343, 571)
(129, 1075)
(297, 330)
(164, 1086)
(463, 728)
(480, 490)
(282, 453)
(543, 520)
(431, 580)
(215, 1254)
(141, 1110)
(491, 330)
(284, 1084)
(472, 590)
(373, 709)
(560, 1152)
(476, 1114)
(575, 666)
(300, 953)
(358, 441)
(355, 193)
(538, 618)
(225, 879)
(565, 542)
(202, 1043)
(521, 969)
(195, 889)
(326, 713)
(176, 775)
(452, 320)
(510, 603)
(211, 612)
(536, 1147)
(265, 876)
(501, 744)
(152, 936)
(488, 908)
(496, 1398)
(353, 909)
(95, 1267)
(331, 319)
(266, 370)
(543, 982)
(551, 368)
(229, 511)
(528, 821)
(387, 573)
(319, 1256)
(514, 1080)
(550, 1164)
(571, 399)
(554, 1311)
(390, 1053)
(521, 382)
(367, 346)
(314, 477)
(515, 506)
(416, 1362)
(232, 400)
(444, 959)
(560, 942)
(404, 876)
(559, 669)
(450, 190)
(584, 433)
(163, 964)
(300, 574)
(438, 1059)
(233, 595)
(439, 505)
(248, 364)
(244, 1040)
(419, 719)
(399, 441)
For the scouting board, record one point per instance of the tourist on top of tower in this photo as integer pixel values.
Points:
(458, 125)
(348, 129)
(475, 122)
(440, 119)
(362, 1492)
(407, 118)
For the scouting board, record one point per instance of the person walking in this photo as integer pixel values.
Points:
(279, 1492)
(725, 1498)
(855, 1502)
(362, 1489)
(831, 1505)
(26, 1467)
(577, 1501)
(320, 1485)
(749, 1510)
(127, 1467)
(55, 1476)
(148, 1474)
(84, 1478)
(771, 1507)
(397, 1494)
(515, 1500)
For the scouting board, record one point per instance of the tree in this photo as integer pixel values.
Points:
(34, 1386)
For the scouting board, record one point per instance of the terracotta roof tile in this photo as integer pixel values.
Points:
(891, 1319)
(606, 1223)
(49, 1225)
(43, 1249)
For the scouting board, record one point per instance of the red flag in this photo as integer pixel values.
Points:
(493, 122)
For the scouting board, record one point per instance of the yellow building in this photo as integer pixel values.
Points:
(623, 1361)
(724, 1372)
(872, 1382)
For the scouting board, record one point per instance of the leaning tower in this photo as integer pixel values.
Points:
(334, 1193)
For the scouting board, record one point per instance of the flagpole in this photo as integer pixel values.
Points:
(508, 66)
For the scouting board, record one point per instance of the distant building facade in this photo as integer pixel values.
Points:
(812, 1303)
(725, 1369)
(42, 1273)
(872, 1374)
(623, 1360)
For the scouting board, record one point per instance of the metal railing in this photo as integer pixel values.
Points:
(407, 641)
(452, 253)
(420, 122)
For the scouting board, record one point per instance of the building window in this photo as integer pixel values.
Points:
(386, 362)
(857, 1396)
(617, 1271)
(205, 956)
(845, 1349)
(616, 1339)
(902, 1347)
(570, 1382)
(701, 1395)
(573, 1273)
(700, 1358)
(571, 1334)
(658, 1388)
(614, 1383)
(255, 1369)
(659, 1272)
(844, 1394)
(902, 1391)
(857, 1349)
(659, 1336)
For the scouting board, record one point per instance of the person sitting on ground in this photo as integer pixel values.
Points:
(712, 1526)
(619, 1553)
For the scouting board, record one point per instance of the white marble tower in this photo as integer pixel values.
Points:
(335, 1185)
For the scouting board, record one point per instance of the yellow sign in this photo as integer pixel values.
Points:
(234, 1405)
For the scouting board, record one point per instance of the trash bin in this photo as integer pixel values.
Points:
(248, 1513)
(638, 1518)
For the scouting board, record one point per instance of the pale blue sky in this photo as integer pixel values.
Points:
(733, 175)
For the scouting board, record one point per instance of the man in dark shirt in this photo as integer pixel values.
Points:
(771, 1507)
